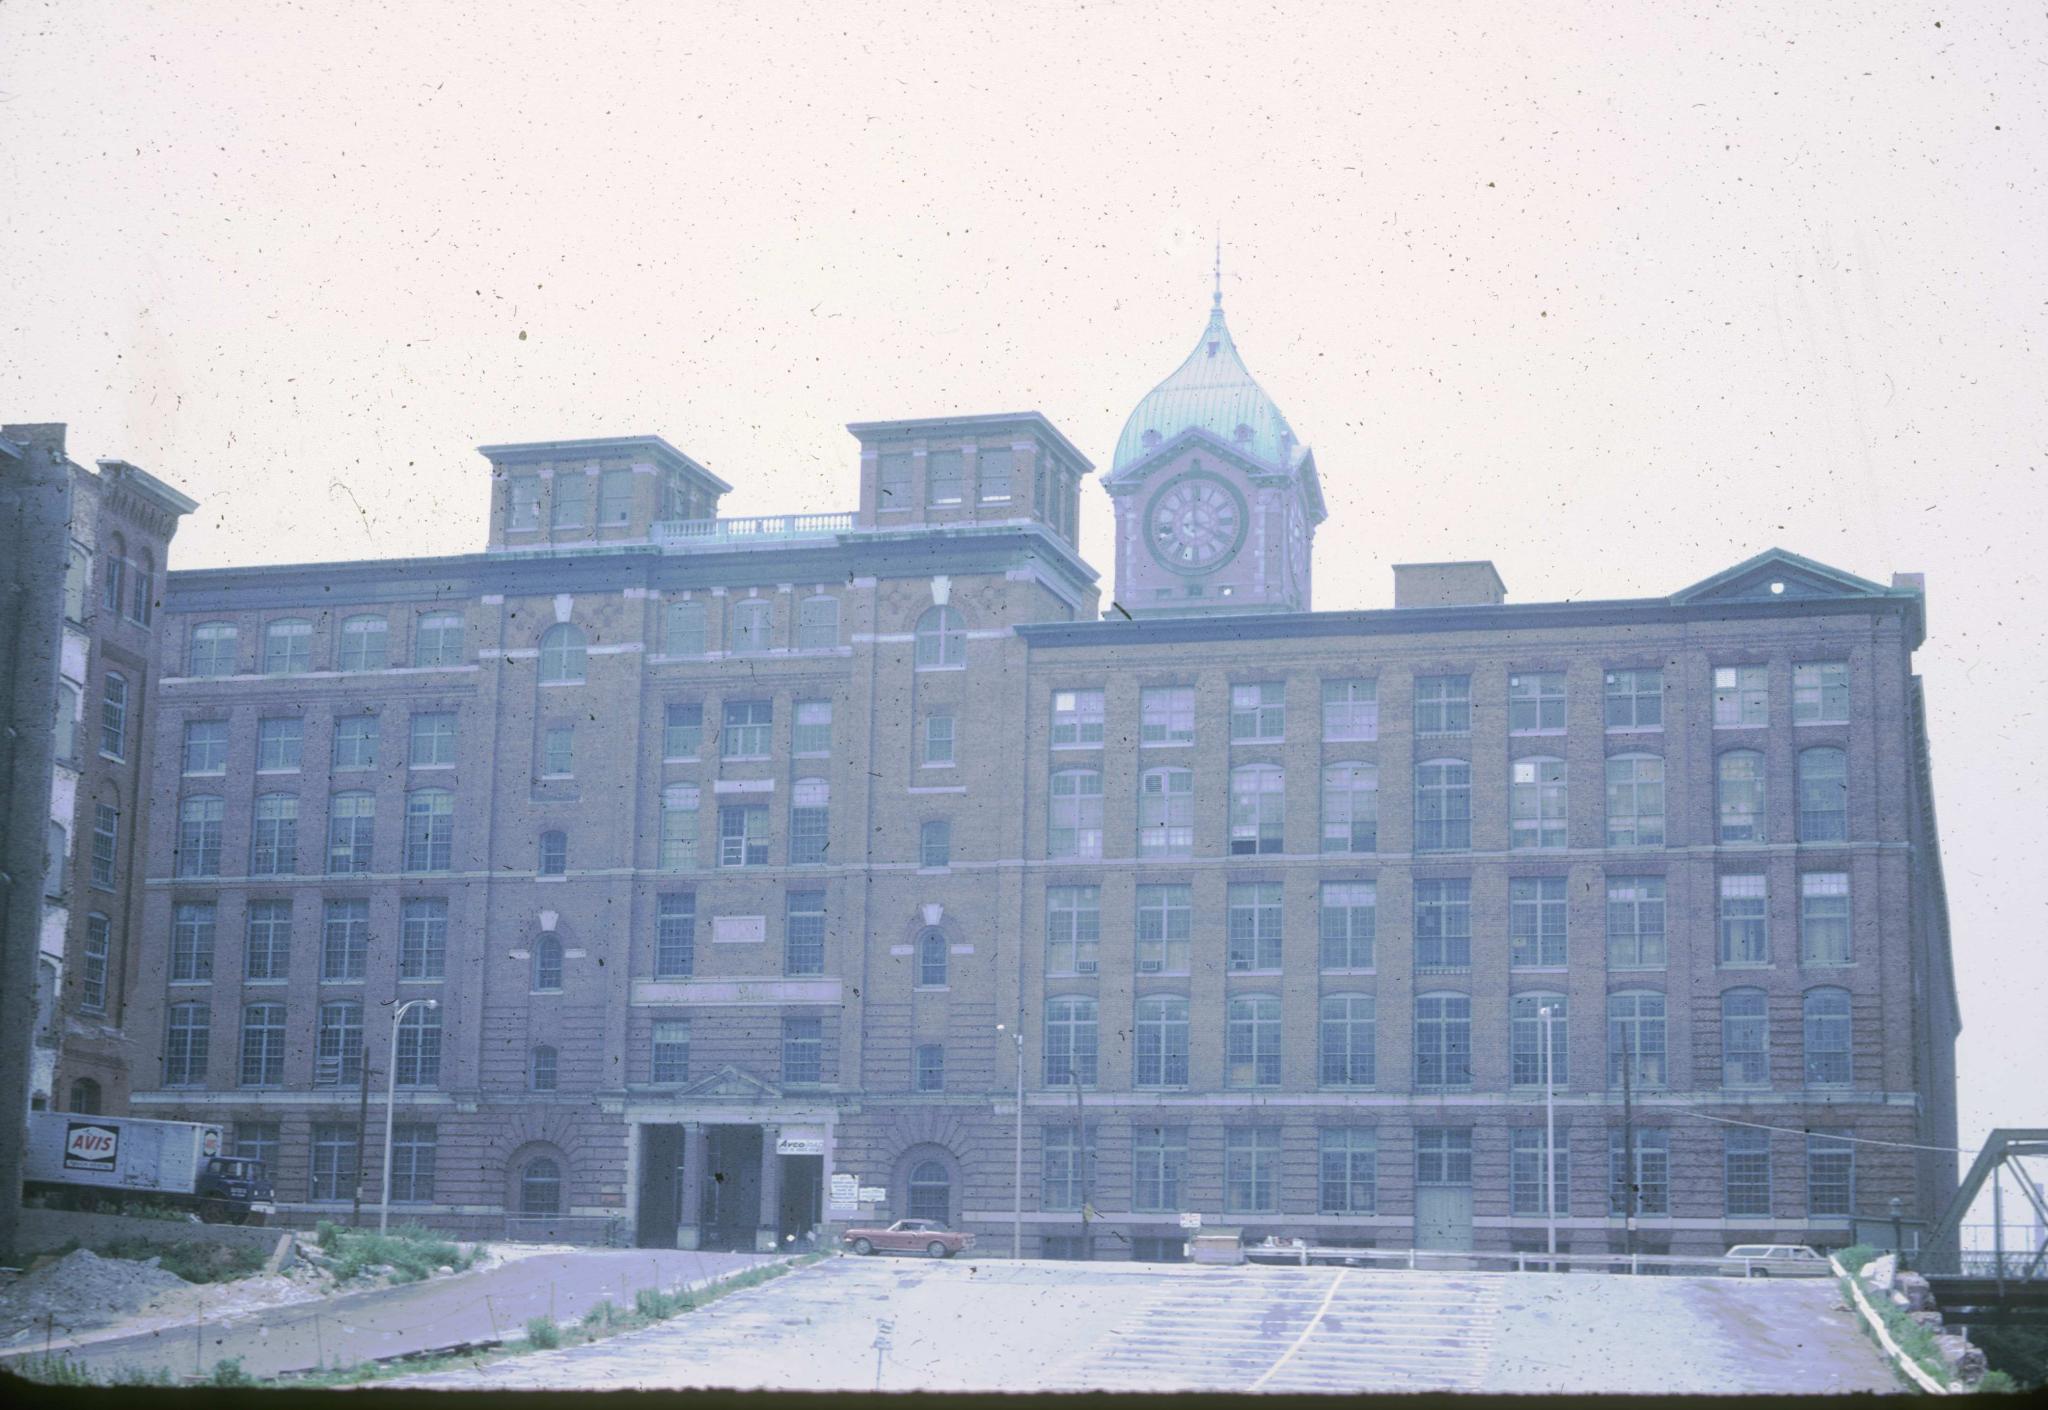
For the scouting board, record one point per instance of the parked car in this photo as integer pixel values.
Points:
(1776, 1261)
(925, 1236)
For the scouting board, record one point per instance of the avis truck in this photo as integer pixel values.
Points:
(90, 1162)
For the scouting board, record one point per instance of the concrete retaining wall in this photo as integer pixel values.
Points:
(42, 1230)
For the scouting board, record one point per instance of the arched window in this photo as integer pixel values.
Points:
(274, 835)
(212, 651)
(1745, 1039)
(1258, 798)
(1443, 1041)
(85, 1097)
(199, 823)
(931, 1192)
(1251, 1041)
(419, 1047)
(114, 716)
(365, 643)
(563, 654)
(1070, 1033)
(142, 597)
(941, 639)
(1826, 1017)
(1351, 807)
(1162, 1041)
(554, 853)
(817, 624)
(1635, 800)
(1443, 805)
(1074, 828)
(752, 627)
(1536, 803)
(547, 964)
(1739, 776)
(1166, 813)
(1525, 1040)
(1635, 1031)
(1823, 795)
(437, 639)
(540, 1187)
(114, 573)
(1345, 1041)
(287, 647)
(540, 1071)
(429, 829)
(931, 960)
(351, 820)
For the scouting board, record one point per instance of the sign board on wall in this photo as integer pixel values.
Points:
(739, 930)
(873, 1194)
(799, 1144)
(845, 1190)
(1191, 1221)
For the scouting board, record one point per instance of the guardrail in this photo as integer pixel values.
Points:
(1718, 1265)
(708, 533)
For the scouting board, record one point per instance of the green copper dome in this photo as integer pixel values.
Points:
(1212, 391)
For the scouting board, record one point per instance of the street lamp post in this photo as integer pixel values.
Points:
(390, 1098)
(1898, 1231)
(1549, 1135)
(1017, 1208)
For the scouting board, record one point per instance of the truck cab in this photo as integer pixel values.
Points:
(234, 1188)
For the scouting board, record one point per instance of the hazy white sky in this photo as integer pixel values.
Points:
(1613, 294)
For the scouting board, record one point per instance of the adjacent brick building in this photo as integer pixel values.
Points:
(746, 859)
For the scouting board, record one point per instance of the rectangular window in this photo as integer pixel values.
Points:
(1744, 921)
(1166, 714)
(1161, 1056)
(942, 477)
(351, 820)
(106, 839)
(345, 941)
(1258, 810)
(187, 1036)
(288, 648)
(1258, 712)
(365, 644)
(803, 1051)
(355, 742)
(1254, 925)
(206, 747)
(1635, 800)
(262, 1045)
(419, 1048)
(671, 1051)
(1536, 922)
(811, 735)
(817, 624)
(1636, 1045)
(1443, 923)
(682, 731)
(267, 946)
(429, 830)
(1159, 1163)
(1645, 1189)
(437, 639)
(412, 1163)
(935, 844)
(1351, 710)
(572, 500)
(433, 740)
(1443, 1156)
(199, 830)
(1830, 1176)
(1443, 704)
(742, 835)
(747, 726)
(892, 481)
(259, 1141)
(1443, 805)
(1166, 813)
(1063, 1183)
(423, 939)
(992, 467)
(1741, 697)
(92, 979)
(1074, 822)
(1076, 718)
(1820, 693)
(1350, 921)
(1635, 922)
(274, 835)
(684, 631)
(338, 1050)
(1165, 922)
(1746, 1173)
(114, 716)
(1635, 699)
(615, 498)
(1251, 1170)
(1529, 1184)
(279, 743)
(1824, 918)
(675, 935)
(1443, 1041)
(1525, 1041)
(1536, 803)
(1073, 929)
(679, 826)
(803, 933)
(525, 503)
(1348, 1175)
(333, 1175)
(1536, 703)
(929, 1067)
(558, 751)
(192, 925)
(938, 739)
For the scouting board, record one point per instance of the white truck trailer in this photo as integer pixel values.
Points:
(92, 1162)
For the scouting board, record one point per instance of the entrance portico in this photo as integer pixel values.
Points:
(729, 1163)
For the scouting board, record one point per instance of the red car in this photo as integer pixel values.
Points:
(925, 1236)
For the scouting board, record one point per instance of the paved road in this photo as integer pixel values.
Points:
(441, 1312)
(996, 1325)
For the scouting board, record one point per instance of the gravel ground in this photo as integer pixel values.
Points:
(81, 1290)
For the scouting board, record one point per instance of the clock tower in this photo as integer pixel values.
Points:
(1216, 499)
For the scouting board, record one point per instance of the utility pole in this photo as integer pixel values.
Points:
(1017, 1189)
(1628, 1136)
(355, 1215)
(1549, 1136)
(1081, 1155)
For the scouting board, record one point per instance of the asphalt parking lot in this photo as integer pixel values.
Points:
(906, 1324)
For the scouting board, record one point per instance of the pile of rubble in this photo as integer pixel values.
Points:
(1909, 1291)
(79, 1291)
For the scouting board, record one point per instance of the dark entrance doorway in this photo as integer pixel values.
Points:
(660, 1204)
(803, 1197)
(731, 1209)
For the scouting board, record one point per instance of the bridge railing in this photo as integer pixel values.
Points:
(1536, 1261)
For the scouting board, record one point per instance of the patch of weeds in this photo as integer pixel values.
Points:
(228, 1372)
(194, 1262)
(1997, 1383)
(601, 1316)
(542, 1334)
(141, 1376)
(55, 1371)
(1913, 1339)
(410, 1251)
(654, 1305)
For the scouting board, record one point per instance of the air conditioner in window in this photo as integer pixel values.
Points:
(1151, 966)
(1087, 967)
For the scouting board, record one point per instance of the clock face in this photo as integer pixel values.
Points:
(1195, 523)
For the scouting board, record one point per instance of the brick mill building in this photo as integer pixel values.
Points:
(748, 859)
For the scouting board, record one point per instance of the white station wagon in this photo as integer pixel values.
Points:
(1776, 1261)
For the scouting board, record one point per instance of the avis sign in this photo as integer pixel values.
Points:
(90, 1146)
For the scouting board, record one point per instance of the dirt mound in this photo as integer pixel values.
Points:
(80, 1290)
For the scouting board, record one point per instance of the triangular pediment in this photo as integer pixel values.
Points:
(732, 1084)
(1777, 574)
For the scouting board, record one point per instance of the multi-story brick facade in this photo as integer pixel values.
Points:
(747, 859)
